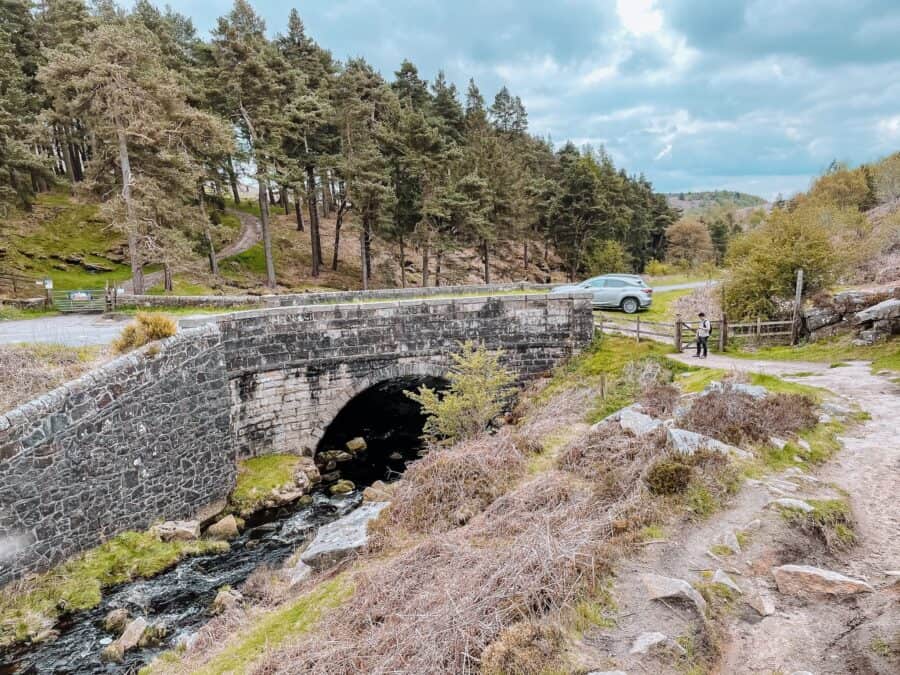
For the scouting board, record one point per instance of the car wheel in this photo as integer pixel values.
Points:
(630, 305)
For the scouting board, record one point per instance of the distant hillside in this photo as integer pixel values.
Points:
(695, 202)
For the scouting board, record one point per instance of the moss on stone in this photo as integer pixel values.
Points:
(258, 477)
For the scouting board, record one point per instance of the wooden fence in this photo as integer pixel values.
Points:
(682, 334)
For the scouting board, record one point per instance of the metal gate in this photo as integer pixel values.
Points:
(86, 300)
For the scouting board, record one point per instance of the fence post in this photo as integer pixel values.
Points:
(678, 332)
(758, 328)
(798, 298)
(637, 331)
(723, 333)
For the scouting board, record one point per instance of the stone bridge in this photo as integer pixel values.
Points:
(156, 434)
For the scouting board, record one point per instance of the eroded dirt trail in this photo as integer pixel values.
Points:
(820, 636)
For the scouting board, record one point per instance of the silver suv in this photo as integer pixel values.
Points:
(627, 292)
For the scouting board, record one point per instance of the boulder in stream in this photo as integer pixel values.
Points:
(342, 487)
(342, 537)
(357, 444)
(129, 639)
(227, 528)
(116, 620)
(227, 598)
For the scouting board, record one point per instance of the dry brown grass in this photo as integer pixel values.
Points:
(27, 371)
(660, 400)
(451, 485)
(735, 417)
(526, 648)
(531, 554)
(146, 328)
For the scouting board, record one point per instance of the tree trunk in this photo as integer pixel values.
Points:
(168, 285)
(298, 210)
(282, 192)
(337, 238)
(264, 223)
(364, 261)
(137, 272)
(425, 252)
(232, 180)
(327, 194)
(402, 264)
(525, 258)
(485, 253)
(313, 220)
(437, 267)
(368, 248)
(272, 201)
(213, 261)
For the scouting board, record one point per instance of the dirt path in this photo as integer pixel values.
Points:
(824, 636)
(250, 235)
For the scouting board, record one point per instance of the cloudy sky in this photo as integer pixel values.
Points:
(753, 95)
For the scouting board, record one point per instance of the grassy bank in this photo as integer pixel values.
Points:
(884, 355)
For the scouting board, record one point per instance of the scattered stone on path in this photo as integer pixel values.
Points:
(227, 598)
(806, 581)
(638, 423)
(225, 529)
(790, 503)
(660, 587)
(340, 538)
(754, 524)
(342, 487)
(116, 620)
(720, 577)
(762, 603)
(115, 651)
(804, 444)
(356, 444)
(647, 641)
(688, 442)
(177, 530)
(730, 540)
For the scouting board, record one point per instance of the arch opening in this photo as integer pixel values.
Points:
(391, 425)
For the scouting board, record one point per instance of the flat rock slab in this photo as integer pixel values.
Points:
(645, 642)
(177, 530)
(807, 581)
(687, 442)
(127, 640)
(339, 539)
(637, 422)
(659, 587)
(721, 577)
(752, 390)
(790, 503)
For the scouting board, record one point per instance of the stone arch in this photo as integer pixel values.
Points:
(327, 413)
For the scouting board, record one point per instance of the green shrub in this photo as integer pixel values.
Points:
(668, 477)
(479, 389)
(145, 328)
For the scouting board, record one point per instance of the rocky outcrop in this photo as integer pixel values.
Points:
(646, 642)
(808, 581)
(687, 442)
(344, 536)
(845, 311)
(638, 423)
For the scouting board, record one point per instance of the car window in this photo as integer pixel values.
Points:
(615, 283)
(594, 283)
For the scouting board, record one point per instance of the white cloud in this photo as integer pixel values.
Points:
(640, 17)
(665, 152)
(889, 127)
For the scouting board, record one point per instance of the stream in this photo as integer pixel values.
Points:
(181, 597)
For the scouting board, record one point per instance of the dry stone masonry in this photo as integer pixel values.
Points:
(155, 435)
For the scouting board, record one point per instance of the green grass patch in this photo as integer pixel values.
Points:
(696, 380)
(78, 583)
(721, 550)
(831, 520)
(258, 477)
(661, 309)
(652, 532)
(701, 501)
(779, 386)
(182, 286)
(16, 314)
(273, 629)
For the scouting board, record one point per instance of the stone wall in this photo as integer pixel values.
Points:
(144, 437)
(293, 369)
(323, 298)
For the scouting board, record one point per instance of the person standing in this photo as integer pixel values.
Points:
(703, 332)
